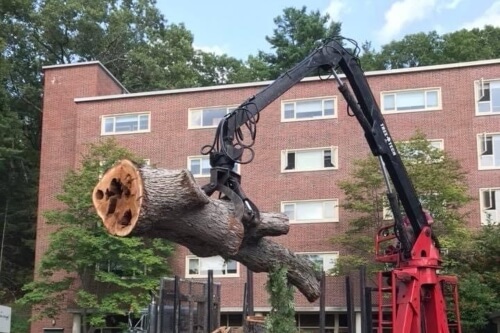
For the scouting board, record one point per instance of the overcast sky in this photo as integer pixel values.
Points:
(238, 28)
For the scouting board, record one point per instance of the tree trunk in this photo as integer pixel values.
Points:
(169, 204)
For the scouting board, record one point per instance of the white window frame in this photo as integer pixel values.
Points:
(395, 92)
(206, 158)
(334, 157)
(229, 108)
(114, 116)
(478, 94)
(326, 268)
(495, 219)
(335, 217)
(227, 275)
(481, 149)
(323, 99)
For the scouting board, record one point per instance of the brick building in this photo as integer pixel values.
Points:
(305, 144)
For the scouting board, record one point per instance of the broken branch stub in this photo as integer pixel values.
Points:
(137, 200)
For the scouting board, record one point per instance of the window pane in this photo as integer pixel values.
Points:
(329, 209)
(290, 161)
(144, 122)
(410, 100)
(205, 166)
(432, 99)
(328, 107)
(309, 210)
(328, 159)
(483, 107)
(195, 166)
(212, 117)
(126, 123)
(289, 210)
(289, 111)
(194, 266)
(309, 160)
(212, 263)
(196, 118)
(389, 102)
(495, 96)
(109, 125)
(496, 149)
(309, 109)
(231, 267)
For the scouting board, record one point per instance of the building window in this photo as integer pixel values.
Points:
(308, 109)
(309, 159)
(489, 151)
(308, 211)
(125, 123)
(490, 205)
(322, 261)
(487, 97)
(199, 267)
(208, 117)
(200, 166)
(411, 100)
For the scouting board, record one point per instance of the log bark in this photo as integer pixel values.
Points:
(142, 201)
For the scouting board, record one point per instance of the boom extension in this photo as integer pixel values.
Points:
(418, 303)
(332, 55)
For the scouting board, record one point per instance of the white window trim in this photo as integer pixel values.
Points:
(103, 117)
(191, 110)
(477, 88)
(389, 92)
(322, 98)
(199, 276)
(335, 157)
(480, 149)
(481, 204)
(335, 253)
(189, 158)
(332, 220)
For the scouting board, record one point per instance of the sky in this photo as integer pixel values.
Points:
(238, 28)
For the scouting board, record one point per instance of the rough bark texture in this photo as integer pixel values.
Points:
(169, 204)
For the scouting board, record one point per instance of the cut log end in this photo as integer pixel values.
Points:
(118, 198)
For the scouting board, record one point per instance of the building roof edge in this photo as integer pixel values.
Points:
(87, 63)
(307, 79)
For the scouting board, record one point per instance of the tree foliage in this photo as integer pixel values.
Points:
(431, 48)
(281, 318)
(107, 275)
(479, 278)
(297, 33)
(438, 181)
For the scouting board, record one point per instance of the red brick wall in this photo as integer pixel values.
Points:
(170, 142)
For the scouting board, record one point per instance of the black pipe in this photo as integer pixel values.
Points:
(244, 307)
(350, 305)
(322, 303)
(175, 314)
(362, 286)
(368, 309)
(210, 299)
(250, 309)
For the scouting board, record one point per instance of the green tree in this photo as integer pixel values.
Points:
(420, 49)
(105, 274)
(296, 35)
(18, 181)
(479, 278)
(424, 49)
(439, 182)
(281, 318)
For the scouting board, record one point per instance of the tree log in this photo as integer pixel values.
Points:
(142, 201)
